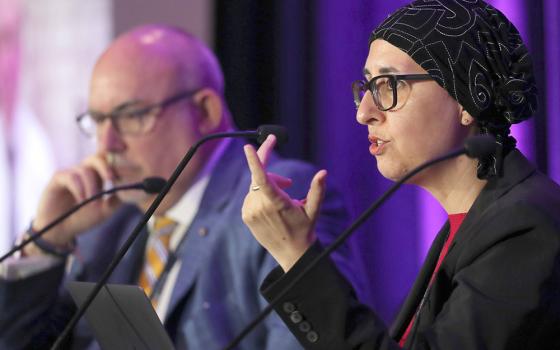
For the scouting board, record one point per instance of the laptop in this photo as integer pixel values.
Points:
(121, 317)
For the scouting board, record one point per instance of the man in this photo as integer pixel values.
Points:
(154, 92)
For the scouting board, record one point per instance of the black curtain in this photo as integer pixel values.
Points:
(264, 49)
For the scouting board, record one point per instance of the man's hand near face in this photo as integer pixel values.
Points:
(68, 188)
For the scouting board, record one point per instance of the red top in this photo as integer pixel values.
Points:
(455, 221)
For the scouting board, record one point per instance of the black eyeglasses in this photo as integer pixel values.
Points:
(128, 118)
(389, 91)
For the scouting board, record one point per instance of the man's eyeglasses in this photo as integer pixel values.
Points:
(129, 118)
(389, 91)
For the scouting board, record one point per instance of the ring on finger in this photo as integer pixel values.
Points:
(255, 188)
(110, 158)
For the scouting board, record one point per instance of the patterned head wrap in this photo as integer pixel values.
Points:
(475, 53)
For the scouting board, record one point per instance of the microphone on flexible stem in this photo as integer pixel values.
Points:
(279, 131)
(149, 185)
(260, 134)
(480, 146)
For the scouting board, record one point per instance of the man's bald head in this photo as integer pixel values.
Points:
(160, 49)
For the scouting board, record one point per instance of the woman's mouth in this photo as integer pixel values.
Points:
(377, 145)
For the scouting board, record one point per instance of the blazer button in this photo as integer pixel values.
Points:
(288, 307)
(203, 231)
(312, 336)
(304, 327)
(296, 317)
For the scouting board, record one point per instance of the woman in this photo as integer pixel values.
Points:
(436, 70)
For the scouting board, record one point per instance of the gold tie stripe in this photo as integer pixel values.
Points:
(156, 254)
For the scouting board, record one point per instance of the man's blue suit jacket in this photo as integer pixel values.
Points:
(216, 293)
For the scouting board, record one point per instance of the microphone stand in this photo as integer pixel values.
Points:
(122, 251)
(477, 146)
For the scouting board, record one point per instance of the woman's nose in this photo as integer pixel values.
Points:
(368, 112)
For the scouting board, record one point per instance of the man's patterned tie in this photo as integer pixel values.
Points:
(156, 254)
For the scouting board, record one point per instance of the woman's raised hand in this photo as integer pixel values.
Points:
(282, 225)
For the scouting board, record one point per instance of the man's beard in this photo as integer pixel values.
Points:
(136, 197)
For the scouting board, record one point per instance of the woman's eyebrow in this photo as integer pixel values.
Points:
(382, 70)
(388, 69)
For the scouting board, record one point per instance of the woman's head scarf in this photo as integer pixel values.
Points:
(475, 53)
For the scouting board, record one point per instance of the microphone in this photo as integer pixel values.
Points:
(260, 134)
(479, 146)
(148, 185)
(280, 132)
(153, 184)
